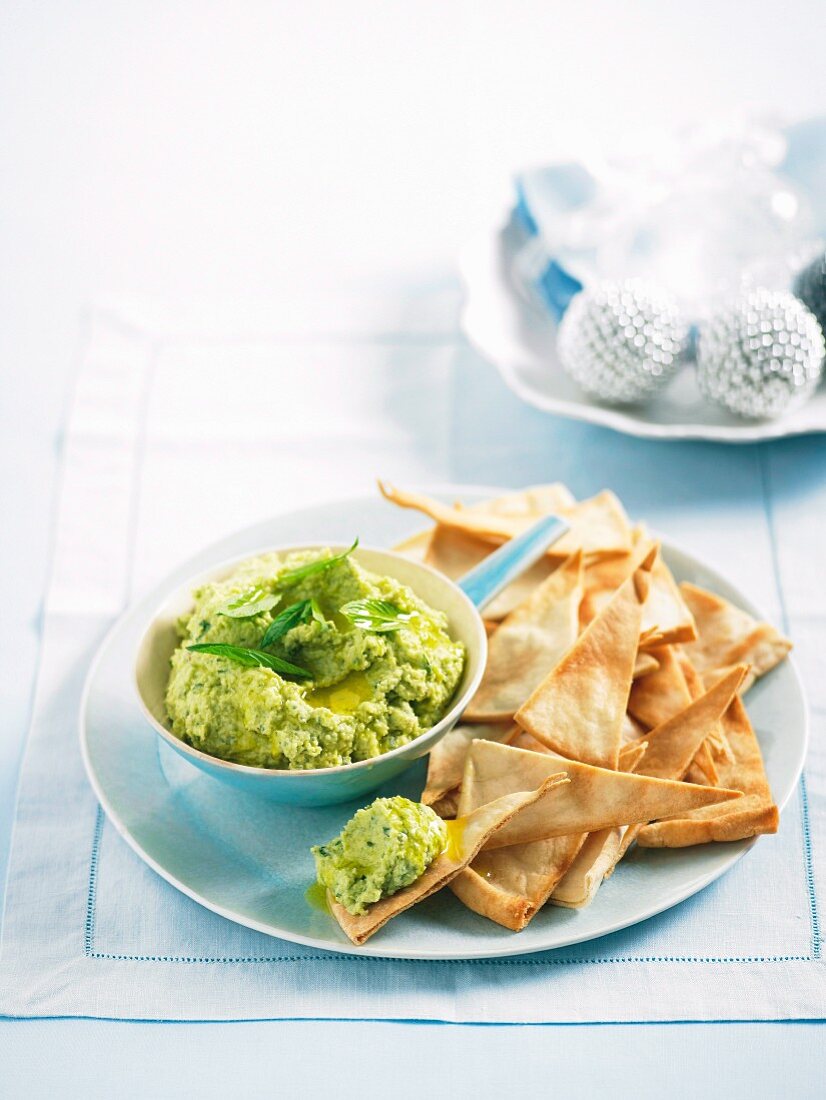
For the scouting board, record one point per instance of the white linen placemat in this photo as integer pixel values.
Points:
(187, 426)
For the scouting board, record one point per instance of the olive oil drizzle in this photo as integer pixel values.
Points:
(316, 897)
(345, 697)
(455, 836)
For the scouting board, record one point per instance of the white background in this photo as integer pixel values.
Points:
(207, 149)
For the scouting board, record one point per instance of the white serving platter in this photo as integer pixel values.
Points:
(518, 336)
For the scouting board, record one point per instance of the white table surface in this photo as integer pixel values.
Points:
(187, 150)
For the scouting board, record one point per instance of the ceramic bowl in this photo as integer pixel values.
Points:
(320, 786)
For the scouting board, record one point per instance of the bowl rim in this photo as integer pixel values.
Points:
(444, 723)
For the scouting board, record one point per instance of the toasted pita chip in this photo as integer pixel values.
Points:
(753, 814)
(628, 836)
(455, 553)
(672, 746)
(578, 886)
(593, 862)
(629, 756)
(666, 609)
(510, 893)
(600, 851)
(662, 694)
(446, 762)
(466, 838)
(447, 807)
(535, 501)
(604, 849)
(597, 526)
(693, 679)
(594, 865)
(644, 664)
(519, 590)
(703, 770)
(666, 693)
(579, 708)
(716, 746)
(595, 798)
(748, 682)
(716, 740)
(632, 730)
(596, 858)
(416, 546)
(488, 524)
(528, 644)
(729, 636)
(510, 885)
(602, 578)
(648, 635)
(666, 618)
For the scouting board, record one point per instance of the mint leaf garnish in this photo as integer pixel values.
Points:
(252, 658)
(250, 603)
(290, 617)
(380, 616)
(293, 576)
(255, 600)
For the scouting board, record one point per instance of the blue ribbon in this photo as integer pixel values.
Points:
(555, 286)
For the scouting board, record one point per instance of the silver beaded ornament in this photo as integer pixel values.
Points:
(760, 355)
(622, 341)
(810, 288)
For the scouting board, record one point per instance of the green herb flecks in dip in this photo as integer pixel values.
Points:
(332, 665)
(380, 850)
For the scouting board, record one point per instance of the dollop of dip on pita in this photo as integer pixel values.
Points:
(382, 848)
(307, 660)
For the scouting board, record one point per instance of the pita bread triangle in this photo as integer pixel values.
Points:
(487, 524)
(665, 619)
(753, 814)
(416, 546)
(578, 709)
(598, 526)
(465, 838)
(716, 744)
(673, 745)
(600, 850)
(455, 553)
(666, 609)
(446, 761)
(510, 885)
(594, 860)
(728, 635)
(645, 664)
(529, 642)
(662, 693)
(595, 798)
(665, 693)
(534, 501)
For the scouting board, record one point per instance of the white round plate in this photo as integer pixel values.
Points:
(250, 861)
(519, 338)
